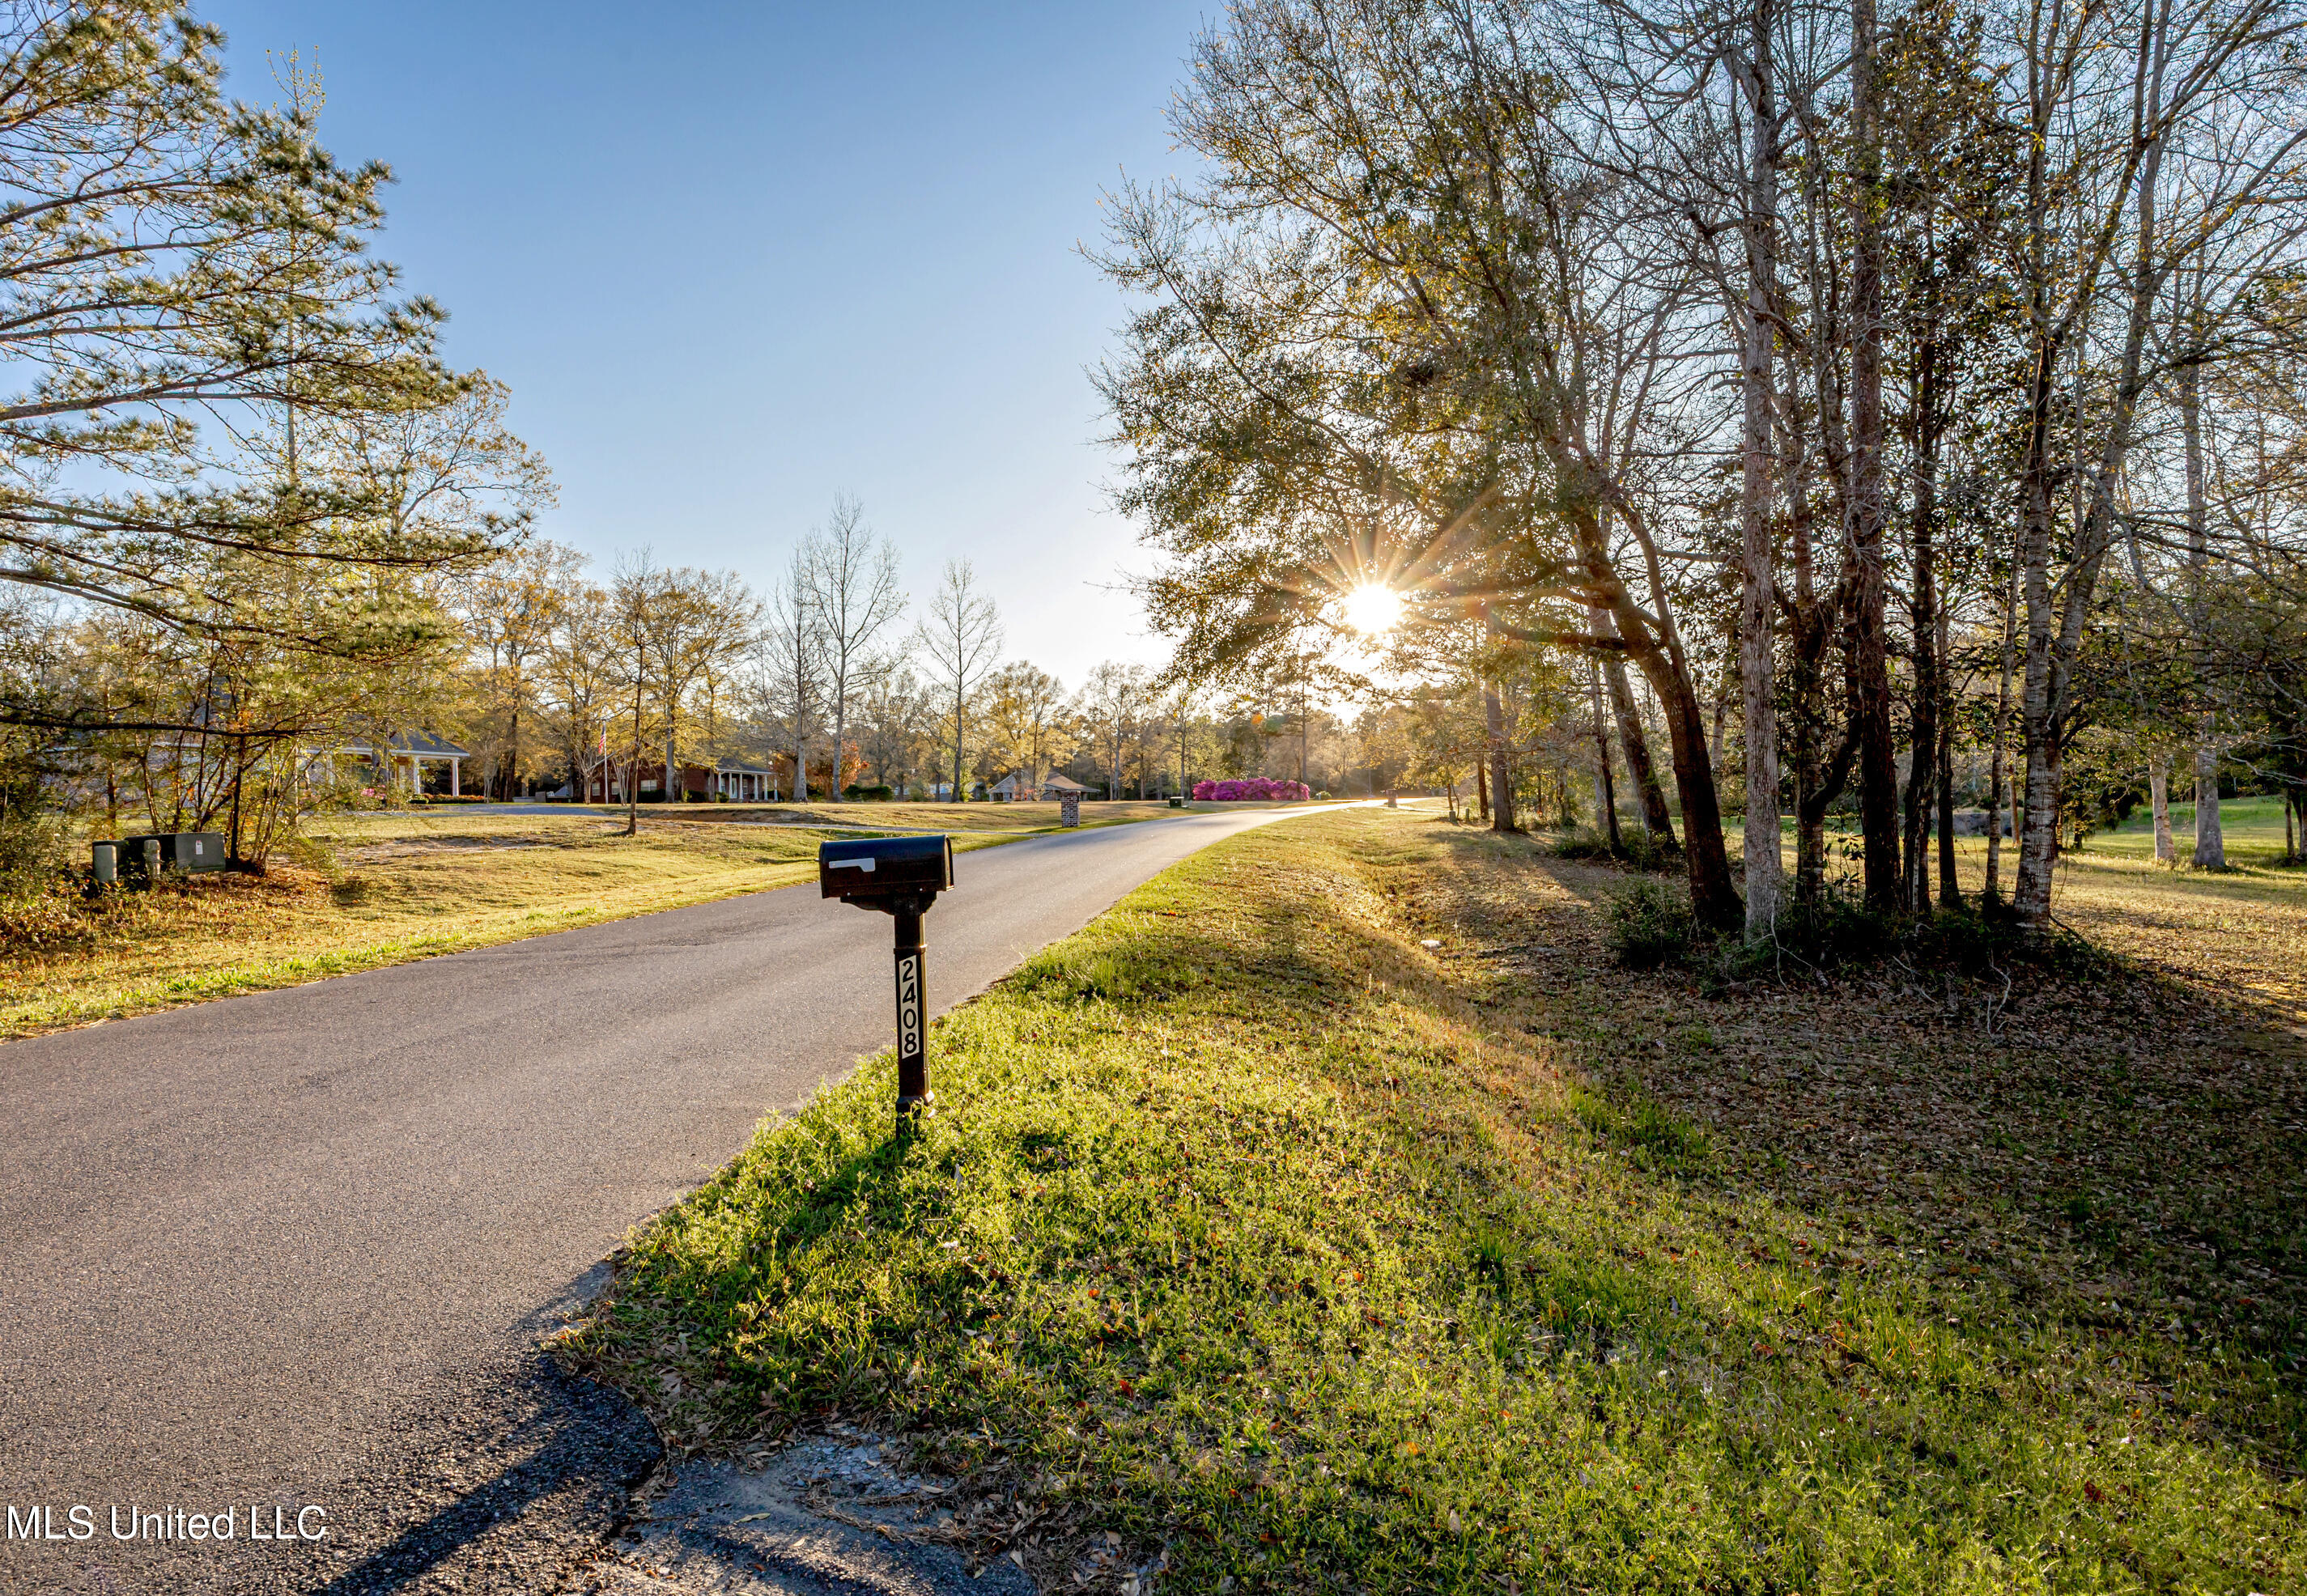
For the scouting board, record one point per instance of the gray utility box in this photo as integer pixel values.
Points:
(870, 870)
(195, 852)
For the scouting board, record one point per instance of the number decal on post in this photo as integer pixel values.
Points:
(909, 1006)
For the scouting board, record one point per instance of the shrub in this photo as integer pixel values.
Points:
(34, 851)
(1250, 788)
(1637, 849)
(873, 794)
(1649, 925)
(1836, 932)
(1580, 843)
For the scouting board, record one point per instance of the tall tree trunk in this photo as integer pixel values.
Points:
(1721, 714)
(1494, 741)
(2210, 841)
(960, 737)
(1713, 898)
(2158, 793)
(1878, 774)
(2035, 812)
(1950, 884)
(633, 772)
(512, 753)
(1305, 727)
(1812, 627)
(1494, 730)
(2054, 632)
(840, 727)
(1758, 606)
(1657, 651)
(2054, 636)
(239, 773)
(1605, 792)
(1922, 758)
(1925, 614)
(1482, 788)
(1991, 893)
(1658, 817)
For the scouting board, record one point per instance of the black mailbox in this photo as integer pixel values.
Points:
(873, 872)
(901, 876)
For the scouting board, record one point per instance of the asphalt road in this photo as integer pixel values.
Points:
(294, 1250)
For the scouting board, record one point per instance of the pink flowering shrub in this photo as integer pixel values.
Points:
(1253, 787)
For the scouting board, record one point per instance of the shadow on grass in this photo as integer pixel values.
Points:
(2082, 1137)
(1335, 1214)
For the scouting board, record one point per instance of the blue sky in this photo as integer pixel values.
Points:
(732, 259)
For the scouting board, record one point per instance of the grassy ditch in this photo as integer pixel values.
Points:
(1262, 1246)
(368, 891)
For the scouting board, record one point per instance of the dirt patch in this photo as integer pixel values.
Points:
(835, 1512)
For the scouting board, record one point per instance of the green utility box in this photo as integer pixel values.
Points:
(195, 852)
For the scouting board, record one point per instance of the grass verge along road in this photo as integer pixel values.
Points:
(382, 890)
(1332, 1215)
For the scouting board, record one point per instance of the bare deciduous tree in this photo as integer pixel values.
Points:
(853, 578)
(960, 636)
(790, 656)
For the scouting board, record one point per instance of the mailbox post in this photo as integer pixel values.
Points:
(901, 877)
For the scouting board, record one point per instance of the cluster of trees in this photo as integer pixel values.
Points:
(235, 471)
(822, 680)
(250, 520)
(1921, 389)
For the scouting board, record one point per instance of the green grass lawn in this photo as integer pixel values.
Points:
(2240, 930)
(1332, 1216)
(376, 889)
(2251, 829)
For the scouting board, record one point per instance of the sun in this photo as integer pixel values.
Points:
(1373, 608)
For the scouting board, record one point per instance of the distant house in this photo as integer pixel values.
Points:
(407, 750)
(740, 783)
(1018, 786)
(732, 780)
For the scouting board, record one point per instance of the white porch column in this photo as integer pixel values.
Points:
(456, 772)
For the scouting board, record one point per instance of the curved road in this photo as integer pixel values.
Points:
(294, 1250)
